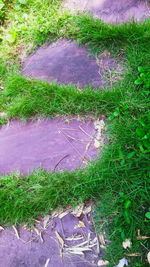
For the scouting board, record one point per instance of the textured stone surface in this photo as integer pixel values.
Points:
(112, 11)
(64, 62)
(32, 251)
(52, 144)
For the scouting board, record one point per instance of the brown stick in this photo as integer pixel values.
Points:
(60, 161)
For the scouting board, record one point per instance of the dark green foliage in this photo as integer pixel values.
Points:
(4, 7)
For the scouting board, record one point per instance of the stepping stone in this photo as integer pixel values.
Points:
(53, 144)
(64, 62)
(112, 11)
(27, 248)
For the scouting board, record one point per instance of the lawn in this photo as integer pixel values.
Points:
(119, 180)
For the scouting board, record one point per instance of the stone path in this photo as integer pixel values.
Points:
(67, 239)
(52, 144)
(111, 11)
(66, 62)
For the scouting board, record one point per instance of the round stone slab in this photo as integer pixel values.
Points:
(53, 144)
(112, 11)
(64, 62)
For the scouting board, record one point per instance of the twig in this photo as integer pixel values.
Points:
(76, 139)
(74, 147)
(47, 262)
(85, 132)
(60, 161)
(144, 246)
(16, 232)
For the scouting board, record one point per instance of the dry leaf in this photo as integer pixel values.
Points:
(3, 115)
(134, 255)
(142, 237)
(57, 213)
(101, 239)
(61, 241)
(85, 161)
(127, 244)
(63, 214)
(123, 262)
(45, 222)
(39, 233)
(106, 53)
(76, 250)
(36, 230)
(139, 237)
(99, 124)
(148, 257)
(87, 210)
(41, 237)
(75, 238)
(24, 227)
(1, 228)
(87, 147)
(94, 241)
(97, 144)
(16, 232)
(36, 221)
(82, 244)
(47, 262)
(80, 225)
(78, 210)
(101, 262)
(102, 246)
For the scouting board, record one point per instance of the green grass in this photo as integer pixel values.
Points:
(119, 180)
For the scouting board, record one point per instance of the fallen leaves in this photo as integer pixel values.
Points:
(82, 209)
(39, 233)
(139, 237)
(45, 221)
(87, 209)
(61, 241)
(102, 263)
(3, 115)
(74, 238)
(97, 143)
(63, 214)
(75, 244)
(80, 225)
(77, 250)
(142, 237)
(134, 255)
(148, 257)
(123, 262)
(1, 228)
(78, 210)
(102, 239)
(82, 247)
(127, 244)
(16, 232)
(99, 127)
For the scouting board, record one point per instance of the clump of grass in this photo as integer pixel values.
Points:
(24, 99)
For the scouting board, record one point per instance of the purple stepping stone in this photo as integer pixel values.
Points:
(32, 251)
(112, 11)
(53, 144)
(64, 62)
